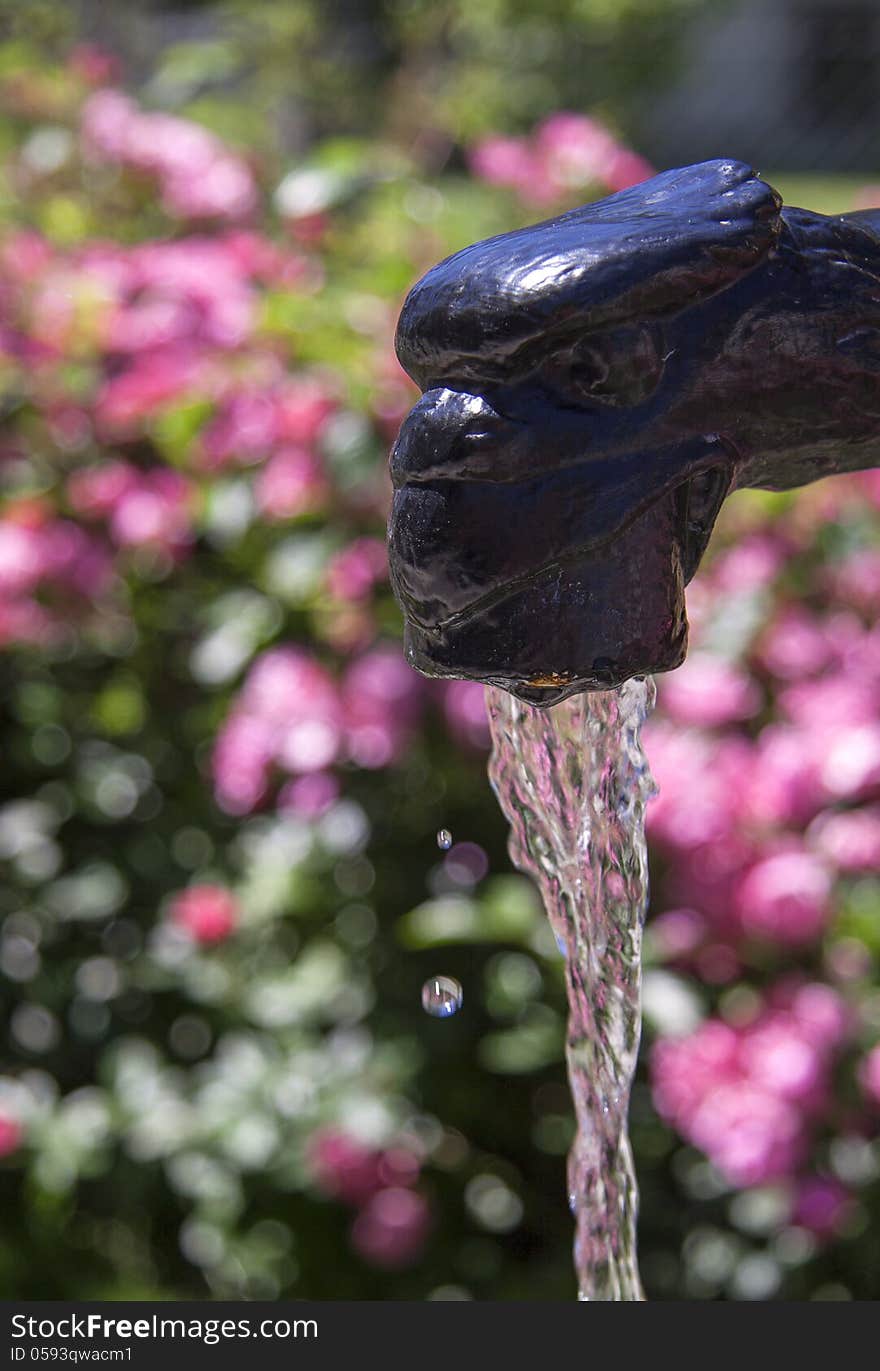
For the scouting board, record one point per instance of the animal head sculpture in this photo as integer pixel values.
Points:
(593, 387)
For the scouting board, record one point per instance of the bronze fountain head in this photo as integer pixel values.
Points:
(593, 387)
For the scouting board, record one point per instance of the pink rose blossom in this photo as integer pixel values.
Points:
(575, 150)
(11, 1135)
(856, 580)
(701, 783)
(93, 64)
(511, 162)
(677, 932)
(291, 483)
(152, 381)
(290, 715)
(352, 573)
(240, 763)
(156, 511)
(626, 168)
(309, 796)
(244, 429)
(464, 709)
(198, 177)
(748, 1096)
(751, 564)
(869, 1075)
(303, 407)
(708, 691)
(783, 785)
(342, 1167)
(391, 1229)
(850, 841)
(822, 1205)
(794, 645)
(208, 913)
(381, 697)
(785, 898)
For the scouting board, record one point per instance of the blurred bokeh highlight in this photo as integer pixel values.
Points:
(222, 786)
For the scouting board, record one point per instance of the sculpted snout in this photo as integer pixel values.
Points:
(593, 387)
(458, 435)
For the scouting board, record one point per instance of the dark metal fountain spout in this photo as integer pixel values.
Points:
(593, 387)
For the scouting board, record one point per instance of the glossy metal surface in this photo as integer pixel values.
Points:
(593, 387)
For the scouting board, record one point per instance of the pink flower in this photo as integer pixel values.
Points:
(198, 177)
(353, 572)
(565, 153)
(53, 556)
(785, 898)
(751, 1136)
(11, 1135)
(381, 698)
(752, 564)
(142, 507)
(391, 1229)
(208, 913)
(303, 407)
(342, 1167)
(513, 163)
(464, 708)
(108, 119)
(22, 560)
(244, 429)
(290, 715)
(850, 840)
(94, 492)
(94, 64)
(309, 796)
(856, 580)
(794, 645)
(822, 1205)
(224, 190)
(290, 483)
(777, 1055)
(701, 782)
(25, 256)
(348, 1170)
(748, 1097)
(869, 1075)
(783, 785)
(156, 511)
(190, 290)
(240, 763)
(677, 932)
(575, 150)
(151, 382)
(626, 168)
(818, 1010)
(831, 703)
(708, 691)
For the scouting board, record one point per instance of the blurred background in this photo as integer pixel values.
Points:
(221, 785)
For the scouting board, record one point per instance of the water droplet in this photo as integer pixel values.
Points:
(442, 996)
(444, 839)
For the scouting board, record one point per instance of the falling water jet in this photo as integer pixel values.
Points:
(593, 387)
(573, 783)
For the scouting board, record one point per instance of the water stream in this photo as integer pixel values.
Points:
(573, 782)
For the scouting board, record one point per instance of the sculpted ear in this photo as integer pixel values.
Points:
(649, 251)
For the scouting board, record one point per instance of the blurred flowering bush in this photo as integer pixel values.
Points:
(222, 785)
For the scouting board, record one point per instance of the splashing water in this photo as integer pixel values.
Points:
(573, 783)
